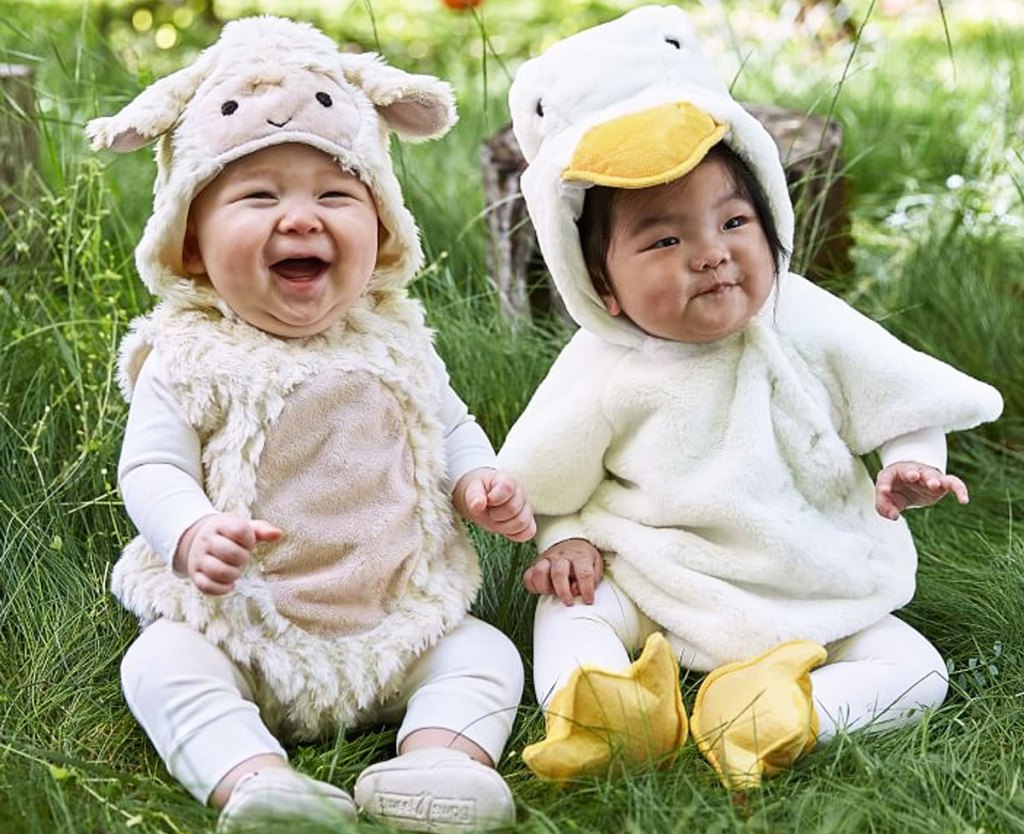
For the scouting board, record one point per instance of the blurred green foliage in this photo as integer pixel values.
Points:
(152, 38)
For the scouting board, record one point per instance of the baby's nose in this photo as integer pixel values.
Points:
(299, 218)
(708, 257)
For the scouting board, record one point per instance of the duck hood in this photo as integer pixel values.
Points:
(631, 103)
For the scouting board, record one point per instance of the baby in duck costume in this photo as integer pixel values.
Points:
(694, 454)
(294, 449)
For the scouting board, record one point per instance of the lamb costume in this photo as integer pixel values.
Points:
(722, 482)
(350, 439)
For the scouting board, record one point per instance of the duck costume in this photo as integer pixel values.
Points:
(721, 481)
(349, 439)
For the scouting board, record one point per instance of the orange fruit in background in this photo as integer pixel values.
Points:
(461, 4)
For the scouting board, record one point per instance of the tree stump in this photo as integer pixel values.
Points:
(512, 242)
(18, 145)
(811, 151)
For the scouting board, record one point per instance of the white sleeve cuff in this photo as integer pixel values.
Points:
(926, 446)
(554, 529)
(163, 503)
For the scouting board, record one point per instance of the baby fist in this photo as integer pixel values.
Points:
(495, 501)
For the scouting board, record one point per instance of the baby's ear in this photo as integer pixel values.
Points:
(415, 107)
(611, 304)
(191, 255)
(151, 113)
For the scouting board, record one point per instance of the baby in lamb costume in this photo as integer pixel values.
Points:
(699, 438)
(294, 449)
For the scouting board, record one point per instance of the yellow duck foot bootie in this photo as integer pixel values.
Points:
(602, 719)
(756, 717)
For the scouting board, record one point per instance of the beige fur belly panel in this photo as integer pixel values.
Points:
(336, 475)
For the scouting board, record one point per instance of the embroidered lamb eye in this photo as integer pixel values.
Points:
(324, 99)
(228, 107)
(540, 108)
(673, 41)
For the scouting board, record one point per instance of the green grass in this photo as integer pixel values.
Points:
(943, 267)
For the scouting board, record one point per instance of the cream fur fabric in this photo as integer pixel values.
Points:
(721, 481)
(234, 382)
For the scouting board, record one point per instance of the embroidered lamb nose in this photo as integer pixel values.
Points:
(279, 124)
(324, 99)
(674, 42)
(228, 107)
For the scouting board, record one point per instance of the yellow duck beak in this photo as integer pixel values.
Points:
(648, 148)
(756, 717)
(602, 719)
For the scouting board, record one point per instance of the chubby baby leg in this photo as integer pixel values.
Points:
(459, 702)
(878, 679)
(469, 684)
(602, 635)
(196, 707)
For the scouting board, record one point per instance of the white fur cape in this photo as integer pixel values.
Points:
(722, 481)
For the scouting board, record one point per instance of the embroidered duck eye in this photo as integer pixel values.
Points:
(540, 108)
(324, 99)
(673, 41)
(228, 107)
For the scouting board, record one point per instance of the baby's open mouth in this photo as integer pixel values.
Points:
(299, 269)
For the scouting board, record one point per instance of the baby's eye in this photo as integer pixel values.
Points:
(259, 195)
(735, 222)
(664, 243)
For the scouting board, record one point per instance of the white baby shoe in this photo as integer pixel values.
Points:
(282, 795)
(437, 790)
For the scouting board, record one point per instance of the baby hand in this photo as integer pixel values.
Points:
(569, 569)
(217, 547)
(496, 502)
(907, 484)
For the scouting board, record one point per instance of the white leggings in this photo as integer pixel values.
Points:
(197, 708)
(876, 679)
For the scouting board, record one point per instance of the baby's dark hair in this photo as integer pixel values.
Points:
(595, 223)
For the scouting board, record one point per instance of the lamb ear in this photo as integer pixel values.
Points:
(413, 106)
(151, 113)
